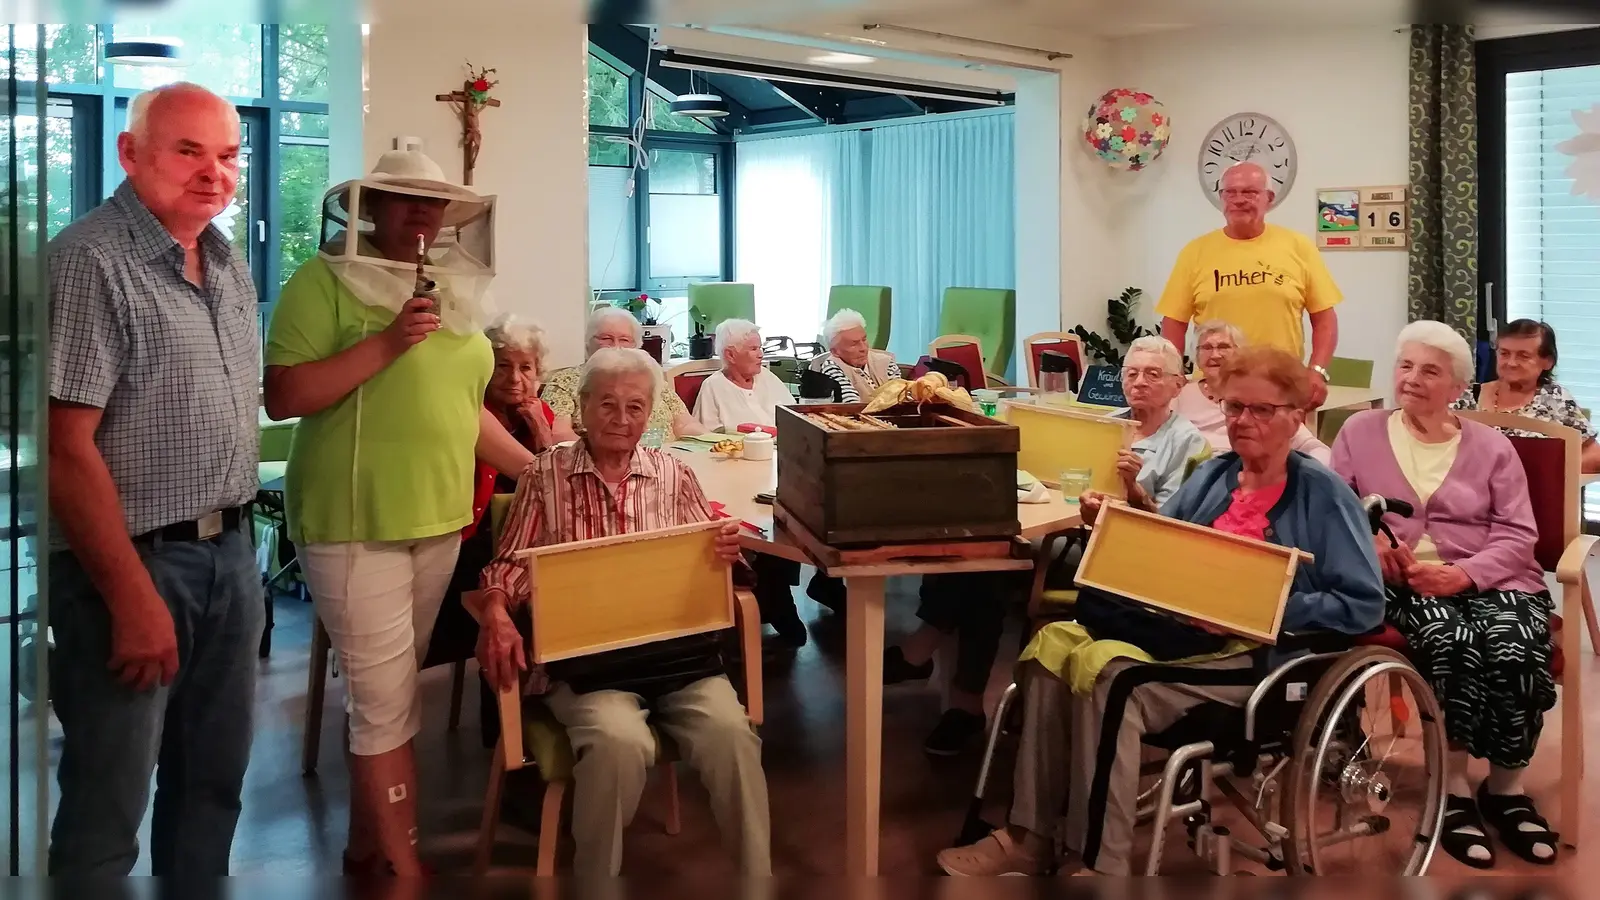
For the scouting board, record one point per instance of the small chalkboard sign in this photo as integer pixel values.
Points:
(1102, 386)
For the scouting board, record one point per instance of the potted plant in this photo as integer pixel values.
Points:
(701, 343)
(655, 335)
(1125, 329)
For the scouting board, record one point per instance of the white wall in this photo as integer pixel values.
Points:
(534, 157)
(1350, 129)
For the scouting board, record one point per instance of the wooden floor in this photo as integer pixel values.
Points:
(295, 825)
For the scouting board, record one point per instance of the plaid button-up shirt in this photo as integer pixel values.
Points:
(175, 367)
(562, 498)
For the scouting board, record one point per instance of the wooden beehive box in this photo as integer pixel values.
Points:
(928, 479)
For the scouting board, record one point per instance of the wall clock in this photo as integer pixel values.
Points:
(1247, 137)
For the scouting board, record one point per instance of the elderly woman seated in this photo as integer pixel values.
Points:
(512, 397)
(1072, 670)
(973, 606)
(744, 392)
(1215, 343)
(574, 493)
(1464, 587)
(1525, 359)
(610, 326)
(851, 362)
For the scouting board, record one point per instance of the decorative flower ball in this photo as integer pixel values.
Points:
(1127, 129)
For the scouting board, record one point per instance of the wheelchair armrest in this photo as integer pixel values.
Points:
(1314, 642)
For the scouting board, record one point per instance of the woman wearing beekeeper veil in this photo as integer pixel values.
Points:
(377, 346)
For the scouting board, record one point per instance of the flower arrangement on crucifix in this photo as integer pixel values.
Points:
(467, 104)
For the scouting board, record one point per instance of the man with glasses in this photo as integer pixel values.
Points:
(1262, 278)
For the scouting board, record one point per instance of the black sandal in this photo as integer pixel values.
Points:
(1508, 813)
(1460, 814)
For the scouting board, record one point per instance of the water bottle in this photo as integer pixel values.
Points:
(654, 437)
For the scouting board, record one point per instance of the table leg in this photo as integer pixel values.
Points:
(863, 723)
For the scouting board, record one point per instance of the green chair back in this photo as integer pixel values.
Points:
(1346, 372)
(874, 302)
(275, 440)
(721, 301)
(988, 314)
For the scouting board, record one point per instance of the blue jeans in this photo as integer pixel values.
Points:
(194, 733)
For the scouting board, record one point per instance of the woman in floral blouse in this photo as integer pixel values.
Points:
(1525, 359)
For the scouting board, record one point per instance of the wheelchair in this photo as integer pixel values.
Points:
(1335, 755)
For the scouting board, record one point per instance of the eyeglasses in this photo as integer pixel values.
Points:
(1214, 348)
(1261, 412)
(1242, 193)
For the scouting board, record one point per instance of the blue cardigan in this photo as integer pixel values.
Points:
(1342, 589)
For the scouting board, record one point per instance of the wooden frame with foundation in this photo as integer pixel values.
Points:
(1055, 439)
(1237, 584)
(627, 590)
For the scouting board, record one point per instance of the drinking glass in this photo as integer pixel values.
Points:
(1074, 482)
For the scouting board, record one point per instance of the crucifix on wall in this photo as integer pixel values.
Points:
(468, 103)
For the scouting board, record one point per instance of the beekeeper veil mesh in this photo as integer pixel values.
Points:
(403, 231)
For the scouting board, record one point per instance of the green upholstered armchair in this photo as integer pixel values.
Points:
(723, 300)
(988, 314)
(872, 302)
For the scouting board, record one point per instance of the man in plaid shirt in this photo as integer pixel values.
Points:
(155, 602)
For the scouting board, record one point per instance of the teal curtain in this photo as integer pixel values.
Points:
(940, 211)
(919, 205)
(1444, 177)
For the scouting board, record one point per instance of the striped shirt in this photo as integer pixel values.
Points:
(175, 367)
(561, 498)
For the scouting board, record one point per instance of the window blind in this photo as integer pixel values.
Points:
(1552, 235)
(612, 256)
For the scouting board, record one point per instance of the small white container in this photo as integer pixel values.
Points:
(758, 445)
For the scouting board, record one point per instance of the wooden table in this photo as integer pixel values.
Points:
(734, 484)
(1345, 398)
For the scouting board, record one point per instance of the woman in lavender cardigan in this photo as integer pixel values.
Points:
(1463, 586)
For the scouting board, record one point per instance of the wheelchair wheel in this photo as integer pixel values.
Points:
(1365, 795)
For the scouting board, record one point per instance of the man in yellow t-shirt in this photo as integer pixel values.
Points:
(1256, 276)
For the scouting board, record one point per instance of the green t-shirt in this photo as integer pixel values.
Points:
(394, 459)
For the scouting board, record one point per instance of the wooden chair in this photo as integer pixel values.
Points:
(656, 585)
(1060, 341)
(967, 352)
(687, 378)
(1552, 463)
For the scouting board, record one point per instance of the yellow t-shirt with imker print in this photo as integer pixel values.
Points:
(1262, 286)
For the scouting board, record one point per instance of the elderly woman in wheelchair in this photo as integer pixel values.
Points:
(1464, 588)
(1097, 690)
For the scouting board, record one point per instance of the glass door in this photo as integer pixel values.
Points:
(30, 144)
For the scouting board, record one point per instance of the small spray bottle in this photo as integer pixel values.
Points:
(425, 286)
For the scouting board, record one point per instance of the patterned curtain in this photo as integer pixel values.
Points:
(1444, 178)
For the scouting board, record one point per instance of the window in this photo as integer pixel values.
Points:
(663, 226)
(608, 95)
(303, 63)
(302, 179)
(224, 58)
(59, 163)
(72, 54)
(685, 215)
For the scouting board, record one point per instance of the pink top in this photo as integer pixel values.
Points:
(1246, 515)
(1207, 416)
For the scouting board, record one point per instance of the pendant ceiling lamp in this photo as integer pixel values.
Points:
(150, 51)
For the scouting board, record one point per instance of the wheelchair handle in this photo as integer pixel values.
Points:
(1376, 506)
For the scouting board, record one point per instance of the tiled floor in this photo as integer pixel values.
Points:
(295, 825)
